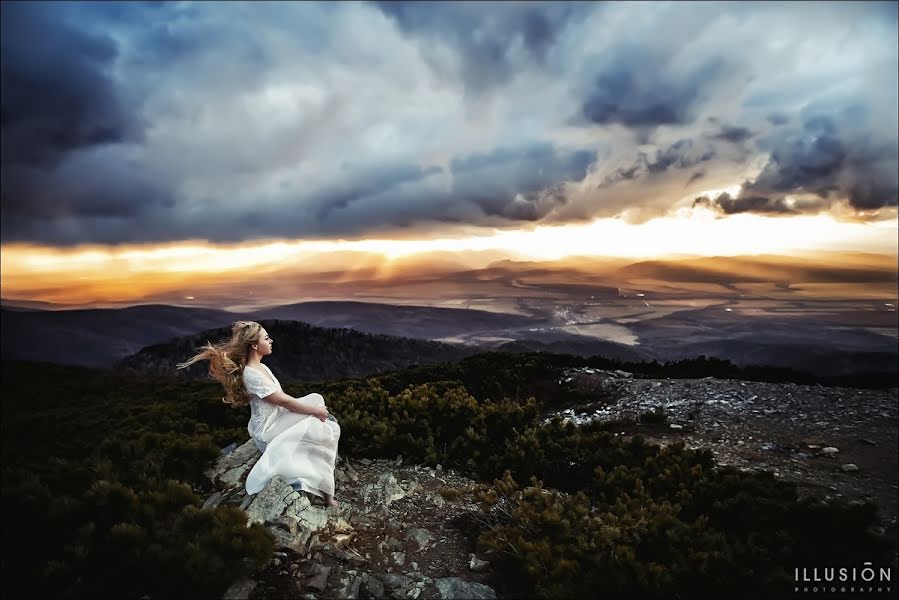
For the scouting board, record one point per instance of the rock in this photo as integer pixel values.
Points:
(373, 587)
(213, 500)
(240, 590)
(229, 449)
(384, 491)
(849, 468)
(395, 580)
(867, 441)
(676, 426)
(348, 587)
(319, 580)
(398, 557)
(393, 544)
(830, 450)
(235, 464)
(419, 536)
(271, 501)
(399, 460)
(477, 565)
(455, 587)
(285, 539)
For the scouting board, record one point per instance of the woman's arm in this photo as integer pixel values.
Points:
(294, 405)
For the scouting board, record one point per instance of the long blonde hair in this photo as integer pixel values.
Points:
(227, 360)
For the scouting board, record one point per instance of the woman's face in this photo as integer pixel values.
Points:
(264, 343)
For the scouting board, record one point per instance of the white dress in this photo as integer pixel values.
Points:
(299, 447)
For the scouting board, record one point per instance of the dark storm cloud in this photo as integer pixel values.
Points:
(366, 183)
(57, 94)
(486, 46)
(742, 204)
(518, 184)
(732, 134)
(633, 86)
(682, 154)
(827, 160)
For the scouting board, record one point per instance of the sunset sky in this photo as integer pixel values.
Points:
(145, 143)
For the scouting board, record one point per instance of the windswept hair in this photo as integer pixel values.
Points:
(227, 360)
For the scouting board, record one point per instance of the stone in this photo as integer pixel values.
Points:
(456, 587)
(270, 502)
(849, 468)
(830, 450)
(395, 580)
(287, 540)
(348, 587)
(213, 500)
(420, 536)
(384, 491)
(240, 590)
(477, 565)
(398, 557)
(373, 587)
(676, 426)
(319, 580)
(238, 462)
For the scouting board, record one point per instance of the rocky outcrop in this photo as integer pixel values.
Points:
(391, 537)
(835, 442)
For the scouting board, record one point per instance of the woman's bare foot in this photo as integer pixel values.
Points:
(330, 501)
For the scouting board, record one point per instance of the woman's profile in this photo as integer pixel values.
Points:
(297, 436)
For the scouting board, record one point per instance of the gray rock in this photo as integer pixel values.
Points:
(456, 587)
(373, 587)
(394, 580)
(237, 462)
(398, 557)
(287, 540)
(384, 491)
(849, 468)
(419, 536)
(319, 580)
(348, 587)
(240, 590)
(229, 449)
(830, 450)
(477, 565)
(393, 544)
(213, 500)
(271, 501)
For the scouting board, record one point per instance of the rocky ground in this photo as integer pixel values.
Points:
(834, 442)
(394, 536)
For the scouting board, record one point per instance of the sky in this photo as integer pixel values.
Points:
(221, 134)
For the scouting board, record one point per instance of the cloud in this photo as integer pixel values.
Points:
(146, 122)
(487, 41)
(57, 93)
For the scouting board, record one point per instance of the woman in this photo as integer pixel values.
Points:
(297, 436)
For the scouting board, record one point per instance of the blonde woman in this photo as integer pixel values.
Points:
(297, 436)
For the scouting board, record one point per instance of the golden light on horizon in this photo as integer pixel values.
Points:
(87, 273)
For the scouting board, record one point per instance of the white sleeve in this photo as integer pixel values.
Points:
(257, 384)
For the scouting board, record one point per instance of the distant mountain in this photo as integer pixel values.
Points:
(98, 337)
(860, 268)
(423, 322)
(302, 352)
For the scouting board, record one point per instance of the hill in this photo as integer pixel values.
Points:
(303, 353)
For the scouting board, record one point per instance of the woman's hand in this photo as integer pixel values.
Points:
(320, 412)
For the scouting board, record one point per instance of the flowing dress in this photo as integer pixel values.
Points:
(299, 447)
